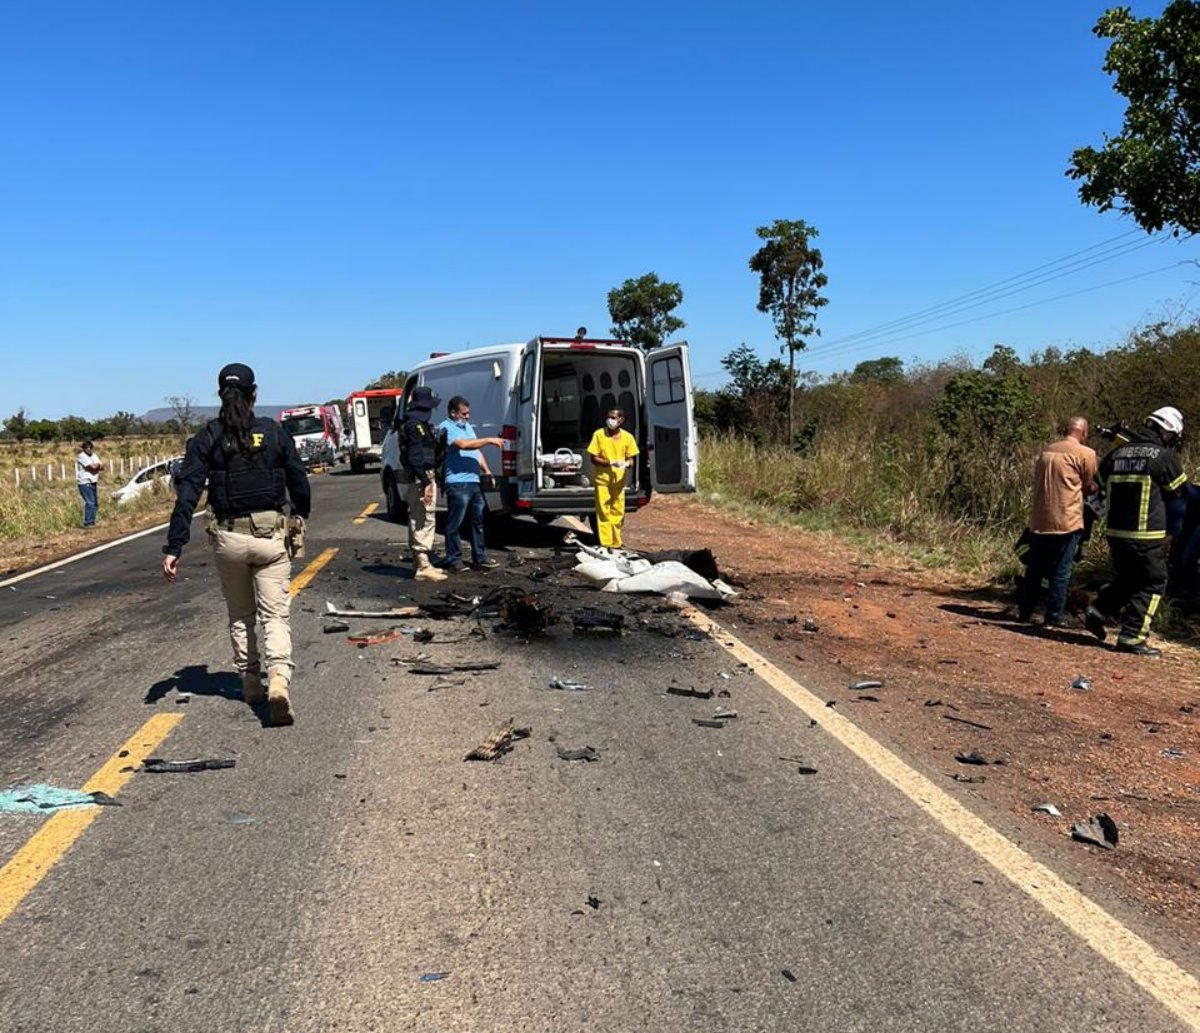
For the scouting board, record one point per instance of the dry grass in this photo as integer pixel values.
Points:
(60, 454)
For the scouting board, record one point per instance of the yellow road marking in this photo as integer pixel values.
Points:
(1174, 988)
(301, 580)
(49, 844)
(362, 517)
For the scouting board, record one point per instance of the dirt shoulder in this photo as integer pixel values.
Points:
(945, 651)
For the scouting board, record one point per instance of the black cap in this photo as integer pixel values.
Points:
(236, 374)
(424, 398)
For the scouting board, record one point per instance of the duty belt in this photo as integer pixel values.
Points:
(245, 524)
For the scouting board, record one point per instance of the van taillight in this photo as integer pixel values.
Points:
(508, 454)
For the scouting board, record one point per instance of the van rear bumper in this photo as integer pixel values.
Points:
(565, 504)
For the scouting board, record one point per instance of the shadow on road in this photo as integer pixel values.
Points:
(199, 681)
(994, 616)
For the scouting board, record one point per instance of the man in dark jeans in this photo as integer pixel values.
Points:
(1063, 474)
(465, 477)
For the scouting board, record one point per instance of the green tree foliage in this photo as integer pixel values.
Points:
(16, 426)
(641, 311)
(1151, 169)
(392, 379)
(74, 428)
(44, 430)
(884, 372)
(122, 423)
(752, 404)
(790, 283)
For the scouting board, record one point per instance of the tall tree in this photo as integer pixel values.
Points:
(641, 311)
(1151, 169)
(184, 407)
(122, 423)
(17, 426)
(790, 282)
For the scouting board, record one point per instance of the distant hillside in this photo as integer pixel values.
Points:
(208, 412)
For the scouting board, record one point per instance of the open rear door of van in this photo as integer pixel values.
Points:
(529, 393)
(670, 424)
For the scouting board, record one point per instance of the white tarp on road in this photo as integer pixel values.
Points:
(626, 572)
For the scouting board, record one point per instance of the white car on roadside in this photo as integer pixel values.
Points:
(155, 477)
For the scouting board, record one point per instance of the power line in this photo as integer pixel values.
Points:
(997, 292)
(859, 346)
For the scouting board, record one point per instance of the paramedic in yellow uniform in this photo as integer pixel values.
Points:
(612, 451)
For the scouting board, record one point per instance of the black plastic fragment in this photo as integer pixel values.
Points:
(158, 766)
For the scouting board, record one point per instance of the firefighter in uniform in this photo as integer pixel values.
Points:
(251, 468)
(418, 459)
(1142, 478)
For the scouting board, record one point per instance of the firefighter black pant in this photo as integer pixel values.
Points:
(1137, 588)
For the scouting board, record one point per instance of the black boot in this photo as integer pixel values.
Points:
(1138, 649)
(1094, 621)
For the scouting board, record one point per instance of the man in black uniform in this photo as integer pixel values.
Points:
(251, 468)
(1141, 477)
(417, 457)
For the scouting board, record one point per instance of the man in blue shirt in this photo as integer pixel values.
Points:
(465, 470)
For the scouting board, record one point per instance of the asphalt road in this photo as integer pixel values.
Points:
(355, 873)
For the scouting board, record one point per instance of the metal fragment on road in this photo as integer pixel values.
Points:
(1082, 683)
(158, 766)
(585, 753)
(966, 721)
(499, 742)
(1174, 752)
(1101, 831)
(566, 685)
(434, 977)
(866, 683)
(693, 693)
(704, 722)
(1047, 808)
(396, 611)
(973, 758)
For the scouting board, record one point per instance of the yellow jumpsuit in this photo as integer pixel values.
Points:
(610, 483)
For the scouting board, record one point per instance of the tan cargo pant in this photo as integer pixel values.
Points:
(255, 578)
(420, 518)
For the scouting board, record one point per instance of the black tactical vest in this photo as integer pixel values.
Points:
(240, 484)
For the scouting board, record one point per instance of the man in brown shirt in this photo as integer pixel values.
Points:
(1063, 474)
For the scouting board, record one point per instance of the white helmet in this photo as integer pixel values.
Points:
(1168, 418)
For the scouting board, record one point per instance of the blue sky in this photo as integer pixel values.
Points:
(330, 190)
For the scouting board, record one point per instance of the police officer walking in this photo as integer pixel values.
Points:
(252, 469)
(1142, 478)
(418, 459)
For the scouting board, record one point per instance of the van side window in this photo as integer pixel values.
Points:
(668, 380)
(527, 372)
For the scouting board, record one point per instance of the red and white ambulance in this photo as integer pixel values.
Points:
(369, 416)
(317, 432)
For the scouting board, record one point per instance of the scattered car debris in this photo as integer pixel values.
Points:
(566, 685)
(334, 627)
(423, 635)
(159, 766)
(235, 818)
(788, 974)
(434, 977)
(183, 697)
(396, 611)
(693, 693)
(958, 776)
(594, 903)
(725, 715)
(1047, 808)
(972, 758)
(379, 638)
(810, 625)
(1174, 752)
(1082, 682)
(590, 621)
(499, 742)
(1101, 831)
(40, 798)
(705, 722)
(868, 683)
(967, 721)
(525, 613)
(864, 698)
(586, 753)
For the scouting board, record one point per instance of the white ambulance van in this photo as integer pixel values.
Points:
(546, 399)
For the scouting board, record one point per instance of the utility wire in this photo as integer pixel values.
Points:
(987, 295)
(858, 346)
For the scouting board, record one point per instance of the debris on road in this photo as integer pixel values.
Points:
(590, 621)
(396, 611)
(159, 766)
(379, 638)
(586, 753)
(1082, 682)
(234, 818)
(1174, 752)
(725, 715)
(566, 685)
(867, 683)
(971, 779)
(628, 573)
(594, 903)
(810, 625)
(183, 697)
(1047, 808)
(334, 627)
(975, 758)
(499, 742)
(525, 613)
(966, 721)
(1101, 831)
(434, 977)
(706, 722)
(788, 974)
(676, 690)
(40, 798)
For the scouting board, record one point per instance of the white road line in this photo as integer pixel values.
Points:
(84, 555)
